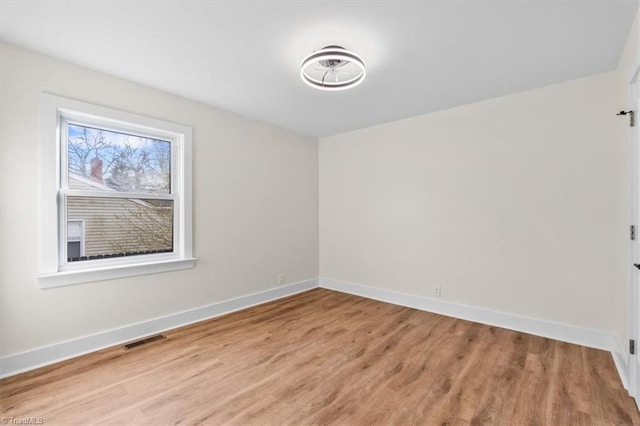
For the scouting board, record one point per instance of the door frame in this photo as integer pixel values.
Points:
(633, 361)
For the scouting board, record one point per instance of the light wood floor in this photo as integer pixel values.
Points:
(323, 357)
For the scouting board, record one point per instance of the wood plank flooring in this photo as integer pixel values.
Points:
(323, 357)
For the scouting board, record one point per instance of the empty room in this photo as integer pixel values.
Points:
(319, 212)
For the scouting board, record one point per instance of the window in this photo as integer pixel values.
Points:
(116, 194)
(75, 239)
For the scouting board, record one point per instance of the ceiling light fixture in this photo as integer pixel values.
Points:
(333, 68)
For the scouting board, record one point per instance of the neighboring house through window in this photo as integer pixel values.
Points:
(75, 239)
(122, 187)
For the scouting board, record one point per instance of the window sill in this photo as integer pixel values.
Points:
(58, 279)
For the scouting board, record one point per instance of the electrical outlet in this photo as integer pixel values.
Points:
(437, 291)
(280, 278)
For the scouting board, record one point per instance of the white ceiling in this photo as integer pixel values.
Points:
(245, 56)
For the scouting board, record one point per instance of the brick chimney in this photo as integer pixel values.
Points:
(96, 170)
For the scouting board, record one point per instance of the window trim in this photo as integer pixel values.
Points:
(52, 271)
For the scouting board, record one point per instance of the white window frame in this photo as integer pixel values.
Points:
(54, 270)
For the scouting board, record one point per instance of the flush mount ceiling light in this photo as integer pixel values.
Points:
(332, 68)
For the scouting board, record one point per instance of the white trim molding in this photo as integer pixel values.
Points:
(553, 330)
(621, 360)
(632, 371)
(57, 115)
(19, 363)
(57, 279)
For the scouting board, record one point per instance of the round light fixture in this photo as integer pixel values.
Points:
(333, 68)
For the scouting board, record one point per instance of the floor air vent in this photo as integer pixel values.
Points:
(145, 341)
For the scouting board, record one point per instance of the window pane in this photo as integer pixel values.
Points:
(115, 227)
(73, 249)
(102, 160)
(74, 230)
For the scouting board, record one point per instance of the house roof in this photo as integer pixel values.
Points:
(81, 182)
(86, 183)
(245, 56)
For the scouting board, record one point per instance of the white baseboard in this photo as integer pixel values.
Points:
(18, 363)
(622, 362)
(553, 330)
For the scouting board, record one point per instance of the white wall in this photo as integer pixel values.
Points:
(255, 208)
(516, 204)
